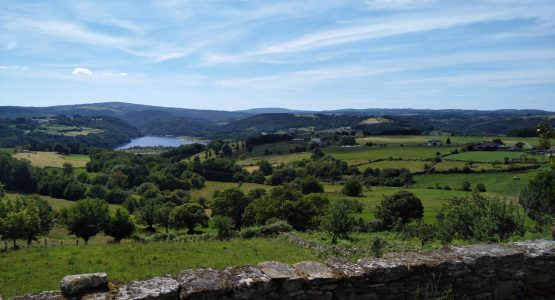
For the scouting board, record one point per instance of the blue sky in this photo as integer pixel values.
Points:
(306, 54)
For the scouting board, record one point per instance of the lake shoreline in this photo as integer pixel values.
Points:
(160, 141)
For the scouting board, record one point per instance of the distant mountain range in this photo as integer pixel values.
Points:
(159, 120)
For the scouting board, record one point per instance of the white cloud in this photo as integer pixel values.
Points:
(14, 68)
(11, 45)
(82, 72)
(122, 74)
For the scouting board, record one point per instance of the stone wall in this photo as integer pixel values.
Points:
(521, 270)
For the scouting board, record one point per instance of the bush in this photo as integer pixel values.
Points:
(480, 187)
(339, 220)
(188, 215)
(476, 218)
(401, 207)
(119, 225)
(378, 246)
(466, 186)
(352, 187)
(249, 232)
(311, 185)
(223, 225)
(274, 228)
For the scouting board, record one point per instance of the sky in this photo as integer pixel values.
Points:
(315, 55)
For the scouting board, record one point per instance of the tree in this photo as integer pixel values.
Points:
(317, 153)
(162, 214)
(231, 203)
(538, 196)
(466, 186)
(223, 225)
(118, 179)
(311, 185)
(146, 214)
(74, 191)
(226, 150)
(401, 207)
(188, 215)
(86, 218)
(67, 169)
(352, 187)
(448, 141)
(545, 132)
(265, 167)
(480, 187)
(339, 220)
(119, 225)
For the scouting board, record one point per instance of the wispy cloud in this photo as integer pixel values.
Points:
(82, 72)
(13, 68)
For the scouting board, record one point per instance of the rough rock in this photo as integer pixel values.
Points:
(159, 288)
(75, 285)
(314, 270)
(98, 296)
(278, 270)
(48, 295)
(205, 284)
(248, 282)
(345, 268)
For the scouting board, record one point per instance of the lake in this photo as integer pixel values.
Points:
(153, 141)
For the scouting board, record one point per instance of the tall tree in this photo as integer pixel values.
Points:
(86, 218)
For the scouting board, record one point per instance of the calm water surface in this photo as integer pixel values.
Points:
(152, 141)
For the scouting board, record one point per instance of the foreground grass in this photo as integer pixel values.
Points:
(38, 269)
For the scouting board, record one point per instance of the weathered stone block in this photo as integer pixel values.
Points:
(248, 282)
(344, 268)
(75, 285)
(383, 270)
(315, 271)
(278, 270)
(205, 284)
(99, 296)
(159, 288)
(48, 295)
(483, 255)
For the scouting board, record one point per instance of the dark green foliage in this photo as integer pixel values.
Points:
(352, 187)
(146, 214)
(116, 196)
(339, 220)
(74, 191)
(86, 218)
(231, 203)
(119, 225)
(224, 226)
(188, 215)
(388, 177)
(466, 186)
(538, 196)
(401, 207)
(286, 203)
(25, 218)
(347, 141)
(378, 247)
(96, 191)
(311, 185)
(265, 167)
(183, 151)
(480, 187)
(476, 218)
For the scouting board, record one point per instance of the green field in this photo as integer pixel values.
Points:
(211, 186)
(365, 154)
(490, 156)
(412, 165)
(455, 140)
(39, 269)
(53, 159)
(501, 183)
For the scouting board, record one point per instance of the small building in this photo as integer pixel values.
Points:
(434, 143)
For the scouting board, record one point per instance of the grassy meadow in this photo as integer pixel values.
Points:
(53, 159)
(39, 269)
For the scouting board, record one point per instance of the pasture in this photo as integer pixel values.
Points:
(501, 183)
(491, 156)
(412, 165)
(53, 159)
(367, 154)
(455, 140)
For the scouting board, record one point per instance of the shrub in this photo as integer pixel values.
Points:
(401, 207)
(480, 187)
(352, 187)
(119, 225)
(378, 246)
(339, 220)
(275, 228)
(223, 225)
(478, 219)
(466, 186)
(249, 232)
(311, 185)
(188, 215)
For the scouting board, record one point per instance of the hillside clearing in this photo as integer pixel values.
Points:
(53, 159)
